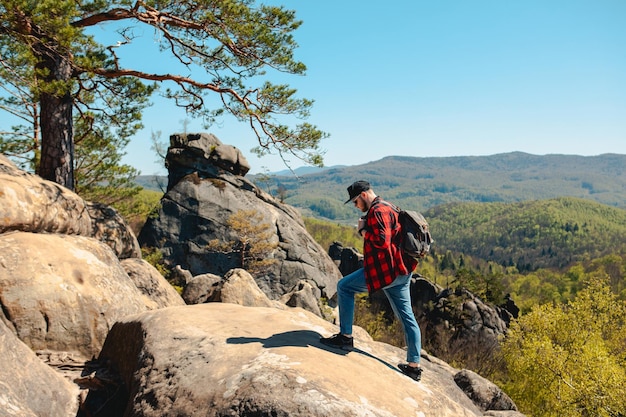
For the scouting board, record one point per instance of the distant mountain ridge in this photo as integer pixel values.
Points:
(302, 170)
(424, 182)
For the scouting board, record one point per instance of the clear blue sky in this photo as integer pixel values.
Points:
(445, 78)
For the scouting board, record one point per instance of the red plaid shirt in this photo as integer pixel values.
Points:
(383, 260)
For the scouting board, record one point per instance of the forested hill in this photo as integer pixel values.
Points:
(530, 235)
(421, 183)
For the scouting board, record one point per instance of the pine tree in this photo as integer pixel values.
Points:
(49, 50)
(254, 241)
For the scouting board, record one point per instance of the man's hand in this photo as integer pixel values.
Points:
(362, 223)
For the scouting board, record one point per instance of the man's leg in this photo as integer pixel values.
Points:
(347, 288)
(399, 295)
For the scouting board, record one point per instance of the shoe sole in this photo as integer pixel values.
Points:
(346, 348)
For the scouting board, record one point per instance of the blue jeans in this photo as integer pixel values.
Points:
(399, 295)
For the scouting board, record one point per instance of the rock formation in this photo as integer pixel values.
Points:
(204, 191)
(63, 292)
(457, 324)
(29, 387)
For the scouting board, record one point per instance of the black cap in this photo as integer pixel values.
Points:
(357, 188)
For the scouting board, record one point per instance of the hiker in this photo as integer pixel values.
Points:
(384, 267)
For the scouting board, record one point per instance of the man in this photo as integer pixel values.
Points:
(384, 267)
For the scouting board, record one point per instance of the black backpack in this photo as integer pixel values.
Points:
(416, 238)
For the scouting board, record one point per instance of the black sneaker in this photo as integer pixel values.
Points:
(338, 341)
(411, 372)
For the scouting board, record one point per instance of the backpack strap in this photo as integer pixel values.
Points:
(397, 237)
(393, 206)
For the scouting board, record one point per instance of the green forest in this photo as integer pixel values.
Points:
(530, 235)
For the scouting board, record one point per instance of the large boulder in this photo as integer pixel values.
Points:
(202, 197)
(63, 292)
(29, 203)
(28, 387)
(156, 291)
(32, 204)
(484, 393)
(221, 359)
(306, 296)
(201, 289)
(108, 226)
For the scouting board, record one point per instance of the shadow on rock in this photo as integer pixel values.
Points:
(301, 338)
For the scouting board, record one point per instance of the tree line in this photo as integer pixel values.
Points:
(530, 235)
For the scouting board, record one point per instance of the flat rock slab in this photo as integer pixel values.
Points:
(223, 359)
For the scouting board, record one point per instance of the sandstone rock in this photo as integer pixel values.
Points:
(347, 259)
(180, 277)
(28, 387)
(109, 227)
(222, 359)
(238, 287)
(424, 292)
(485, 394)
(156, 291)
(203, 153)
(305, 296)
(508, 310)
(6, 161)
(334, 251)
(195, 211)
(200, 288)
(31, 204)
(63, 292)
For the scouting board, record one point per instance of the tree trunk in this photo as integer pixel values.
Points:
(57, 141)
